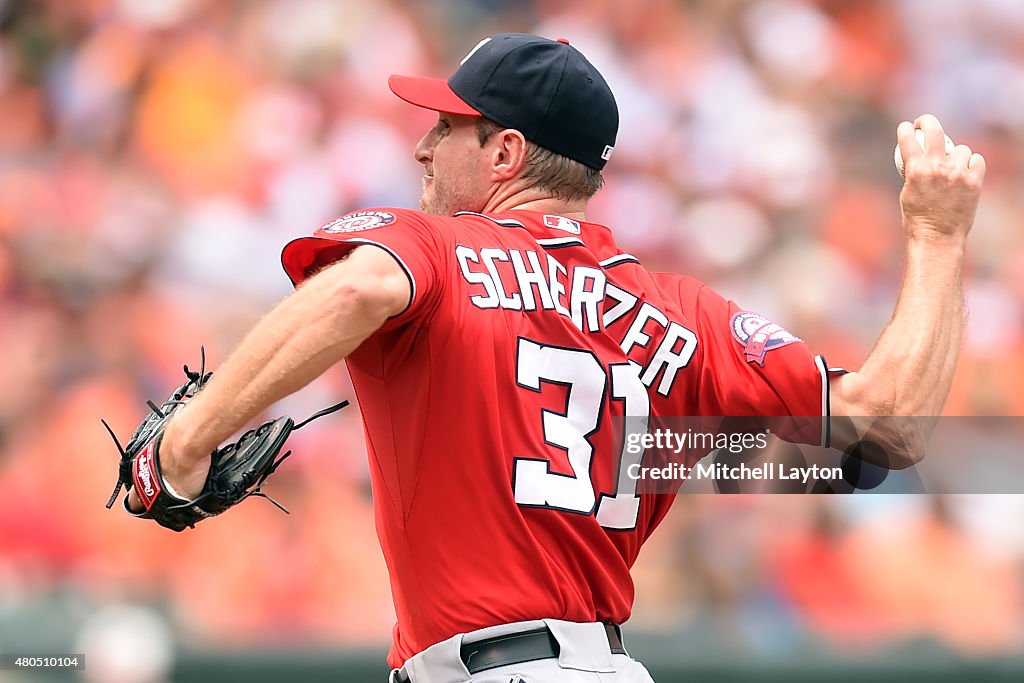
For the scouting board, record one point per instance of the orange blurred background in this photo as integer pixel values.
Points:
(155, 157)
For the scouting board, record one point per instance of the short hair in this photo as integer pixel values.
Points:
(566, 178)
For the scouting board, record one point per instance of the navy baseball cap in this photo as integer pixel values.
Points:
(546, 89)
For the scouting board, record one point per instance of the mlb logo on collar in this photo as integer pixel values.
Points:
(562, 223)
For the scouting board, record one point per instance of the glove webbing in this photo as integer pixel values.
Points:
(257, 490)
(124, 475)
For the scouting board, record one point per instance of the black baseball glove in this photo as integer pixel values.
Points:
(237, 470)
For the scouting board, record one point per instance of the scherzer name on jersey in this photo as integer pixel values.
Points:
(542, 283)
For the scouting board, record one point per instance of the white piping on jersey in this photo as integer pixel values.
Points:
(826, 418)
(617, 259)
(552, 241)
(560, 242)
(408, 271)
(503, 222)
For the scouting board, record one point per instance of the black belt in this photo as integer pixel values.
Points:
(516, 648)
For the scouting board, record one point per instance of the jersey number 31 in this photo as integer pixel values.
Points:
(586, 382)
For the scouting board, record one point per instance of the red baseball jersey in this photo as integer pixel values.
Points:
(488, 405)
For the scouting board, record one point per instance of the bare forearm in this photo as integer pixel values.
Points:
(321, 323)
(909, 371)
(911, 366)
(292, 345)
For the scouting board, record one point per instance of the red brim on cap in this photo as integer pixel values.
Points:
(430, 93)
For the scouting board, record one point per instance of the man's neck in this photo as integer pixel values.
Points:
(532, 199)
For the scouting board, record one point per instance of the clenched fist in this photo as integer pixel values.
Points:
(940, 195)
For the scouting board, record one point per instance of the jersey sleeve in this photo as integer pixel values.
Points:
(751, 366)
(408, 236)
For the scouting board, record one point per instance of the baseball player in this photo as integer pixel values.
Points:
(493, 335)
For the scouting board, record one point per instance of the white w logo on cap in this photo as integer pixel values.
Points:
(473, 51)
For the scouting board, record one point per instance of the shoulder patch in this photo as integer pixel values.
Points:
(758, 335)
(360, 220)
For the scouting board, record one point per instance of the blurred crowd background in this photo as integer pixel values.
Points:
(155, 157)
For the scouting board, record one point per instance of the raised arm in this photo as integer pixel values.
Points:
(910, 369)
(322, 322)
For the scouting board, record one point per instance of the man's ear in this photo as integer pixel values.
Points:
(508, 154)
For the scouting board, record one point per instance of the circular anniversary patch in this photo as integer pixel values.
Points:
(360, 220)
